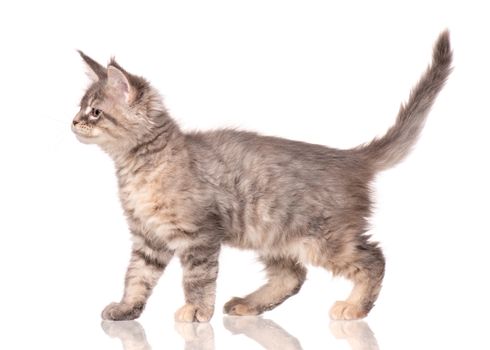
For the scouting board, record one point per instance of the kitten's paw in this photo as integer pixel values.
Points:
(121, 311)
(343, 310)
(239, 307)
(193, 313)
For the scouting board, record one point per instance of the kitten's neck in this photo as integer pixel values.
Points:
(160, 144)
(157, 140)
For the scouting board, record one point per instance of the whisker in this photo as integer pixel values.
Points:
(54, 119)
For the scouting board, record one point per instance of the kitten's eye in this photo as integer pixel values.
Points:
(95, 114)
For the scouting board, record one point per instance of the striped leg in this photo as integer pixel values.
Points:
(200, 265)
(144, 270)
(285, 278)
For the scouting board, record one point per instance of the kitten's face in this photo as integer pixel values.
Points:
(103, 117)
(117, 109)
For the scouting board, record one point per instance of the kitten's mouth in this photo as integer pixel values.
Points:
(83, 134)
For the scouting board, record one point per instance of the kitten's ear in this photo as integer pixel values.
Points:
(119, 83)
(95, 71)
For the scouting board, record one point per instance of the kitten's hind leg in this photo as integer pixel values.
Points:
(285, 278)
(364, 265)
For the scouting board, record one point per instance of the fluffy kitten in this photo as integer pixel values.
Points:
(294, 203)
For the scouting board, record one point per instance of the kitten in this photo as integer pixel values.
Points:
(186, 194)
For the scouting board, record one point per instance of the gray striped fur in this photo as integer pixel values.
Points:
(186, 194)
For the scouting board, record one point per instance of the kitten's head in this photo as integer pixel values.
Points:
(118, 109)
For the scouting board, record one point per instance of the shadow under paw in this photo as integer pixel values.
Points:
(130, 333)
(265, 332)
(357, 333)
(196, 335)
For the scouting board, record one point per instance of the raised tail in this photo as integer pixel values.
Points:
(395, 145)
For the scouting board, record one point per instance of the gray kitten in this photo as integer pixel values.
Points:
(294, 203)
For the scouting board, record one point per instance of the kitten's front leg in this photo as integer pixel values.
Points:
(145, 268)
(200, 265)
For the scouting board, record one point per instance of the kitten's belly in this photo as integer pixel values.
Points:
(304, 249)
(269, 239)
(250, 238)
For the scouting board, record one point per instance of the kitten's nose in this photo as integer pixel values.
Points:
(75, 122)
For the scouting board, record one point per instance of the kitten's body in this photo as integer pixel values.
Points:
(294, 203)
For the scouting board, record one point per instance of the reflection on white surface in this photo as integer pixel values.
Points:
(266, 333)
(131, 334)
(197, 336)
(357, 333)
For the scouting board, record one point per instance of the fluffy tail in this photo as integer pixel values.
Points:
(395, 145)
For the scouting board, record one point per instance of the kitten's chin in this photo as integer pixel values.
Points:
(84, 139)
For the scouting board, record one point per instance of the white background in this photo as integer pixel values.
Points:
(325, 72)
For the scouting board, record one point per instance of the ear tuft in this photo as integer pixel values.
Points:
(95, 71)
